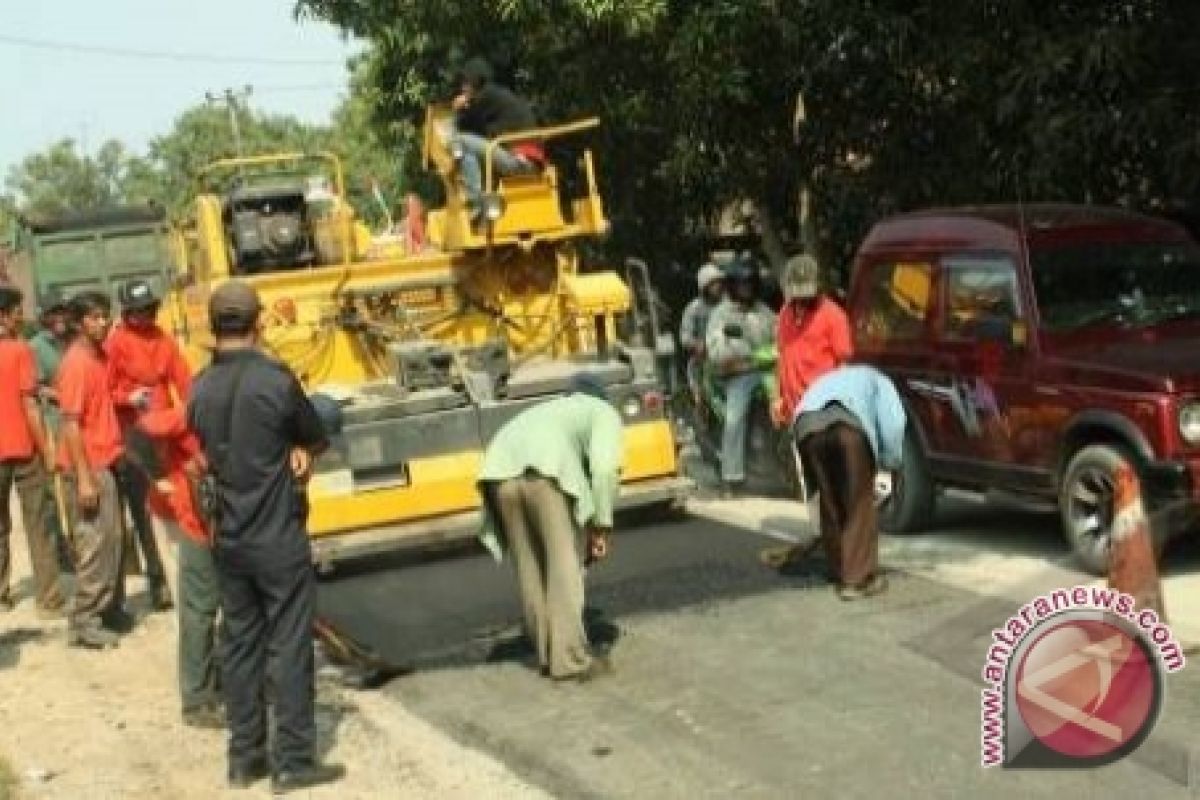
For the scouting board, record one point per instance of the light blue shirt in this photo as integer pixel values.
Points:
(871, 397)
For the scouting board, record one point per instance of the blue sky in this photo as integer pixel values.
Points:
(53, 94)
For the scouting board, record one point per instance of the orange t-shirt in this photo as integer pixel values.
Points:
(145, 359)
(84, 396)
(18, 381)
(810, 344)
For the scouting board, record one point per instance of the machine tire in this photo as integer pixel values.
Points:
(1085, 502)
(911, 507)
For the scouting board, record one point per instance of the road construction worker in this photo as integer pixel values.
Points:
(550, 478)
(849, 423)
(259, 435)
(168, 456)
(694, 326)
(484, 110)
(89, 450)
(49, 344)
(739, 326)
(813, 334)
(147, 373)
(24, 459)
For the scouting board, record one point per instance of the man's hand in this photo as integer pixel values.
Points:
(778, 413)
(302, 462)
(89, 495)
(597, 544)
(47, 394)
(460, 102)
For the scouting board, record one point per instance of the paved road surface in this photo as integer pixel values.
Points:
(732, 681)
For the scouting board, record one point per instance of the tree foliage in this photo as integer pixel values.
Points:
(908, 103)
(62, 179)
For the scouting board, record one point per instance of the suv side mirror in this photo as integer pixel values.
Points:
(734, 331)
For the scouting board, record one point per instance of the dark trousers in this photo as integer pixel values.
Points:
(134, 491)
(198, 602)
(269, 611)
(30, 478)
(840, 461)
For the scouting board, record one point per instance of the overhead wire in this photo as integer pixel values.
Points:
(161, 55)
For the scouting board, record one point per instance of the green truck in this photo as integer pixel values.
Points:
(93, 250)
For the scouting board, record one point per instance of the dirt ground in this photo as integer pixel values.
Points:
(102, 725)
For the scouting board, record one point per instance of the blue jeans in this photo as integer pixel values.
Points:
(474, 150)
(739, 394)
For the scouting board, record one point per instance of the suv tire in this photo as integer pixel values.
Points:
(913, 501)
(1085, 502)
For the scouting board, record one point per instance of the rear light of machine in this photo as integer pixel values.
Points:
(652, 402)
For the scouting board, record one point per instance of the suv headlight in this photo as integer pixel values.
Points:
(1189, 423)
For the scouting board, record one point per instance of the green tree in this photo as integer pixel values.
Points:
(61, 179)
(907, 104)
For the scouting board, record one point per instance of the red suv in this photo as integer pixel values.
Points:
(1037, 349)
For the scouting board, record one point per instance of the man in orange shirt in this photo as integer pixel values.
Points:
(147, 372)
(88, 455)
(24, 456)
(813, 336)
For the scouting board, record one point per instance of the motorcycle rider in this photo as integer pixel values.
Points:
(694, 326)
(739, 326)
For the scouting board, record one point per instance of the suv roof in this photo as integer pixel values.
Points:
(999, 227)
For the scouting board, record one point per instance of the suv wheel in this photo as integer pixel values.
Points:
(1086, 502)
(911, 505)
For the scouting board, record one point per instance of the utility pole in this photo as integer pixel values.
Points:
(230, 99)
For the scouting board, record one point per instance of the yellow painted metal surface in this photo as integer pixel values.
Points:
(446, 485)
(518, 280)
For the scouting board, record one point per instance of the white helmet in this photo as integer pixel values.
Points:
(709, 273)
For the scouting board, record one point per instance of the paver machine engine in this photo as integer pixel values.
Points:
(430, 352)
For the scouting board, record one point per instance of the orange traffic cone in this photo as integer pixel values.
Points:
(1132, 564)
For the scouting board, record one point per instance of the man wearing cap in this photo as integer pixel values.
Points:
(813, 335)
(694, 326)
(147, 372)
(551, 473)
(260, 434)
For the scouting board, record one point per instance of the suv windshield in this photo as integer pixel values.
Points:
(1134, 283)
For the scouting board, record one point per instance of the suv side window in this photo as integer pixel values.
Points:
(981, 299)
(896, 302)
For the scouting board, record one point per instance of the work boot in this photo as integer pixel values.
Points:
(91, 638)
(244, 774)
(6, 604)
(306, 777)
(874, 585)
(118, 620)
(731, 490)
(160, 596)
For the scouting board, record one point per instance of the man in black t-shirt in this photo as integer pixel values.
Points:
(260, 435)
(484, 110)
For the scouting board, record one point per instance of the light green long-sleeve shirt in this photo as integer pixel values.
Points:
(555, 440)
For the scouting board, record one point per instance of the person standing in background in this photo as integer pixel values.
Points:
(88, 453)
(694, 325)
(147, 372)
(49, 344)
(24, 458)
(813, 335)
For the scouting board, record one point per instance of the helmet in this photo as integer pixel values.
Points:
(708, 274)
(137, 295)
